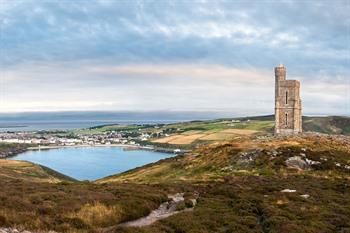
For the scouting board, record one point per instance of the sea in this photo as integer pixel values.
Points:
(91, 163)
(34, 121)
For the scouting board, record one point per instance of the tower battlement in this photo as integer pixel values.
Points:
(288, 116)
(280, 72)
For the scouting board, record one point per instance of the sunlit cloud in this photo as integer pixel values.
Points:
(156, 87)
(184, 55)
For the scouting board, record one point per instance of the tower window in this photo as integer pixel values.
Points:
(286, 121)
(286, 97)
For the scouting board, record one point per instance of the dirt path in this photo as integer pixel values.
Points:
(165, 210)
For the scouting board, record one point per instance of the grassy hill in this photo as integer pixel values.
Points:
(248, 181)
(329, 125)
(34, 197)
(25, 171)
(247, 186)
(324, 124)
(258, 156)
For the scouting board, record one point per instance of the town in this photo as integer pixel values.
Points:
(138, 136)
(68, 138)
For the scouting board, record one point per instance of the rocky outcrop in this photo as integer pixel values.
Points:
(12, 152)
(247, 157)
(297, 162)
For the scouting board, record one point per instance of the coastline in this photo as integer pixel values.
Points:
(126, 146)
(15, 152)
(83, 145)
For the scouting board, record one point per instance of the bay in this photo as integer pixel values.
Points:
(91, 163)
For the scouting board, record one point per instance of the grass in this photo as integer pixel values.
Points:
(239, 185)
(329, 125)
(25, 171)
(254, 204)
(75, 206)
(212, 163)
(109, 128)
(195, 133)
(231, 200)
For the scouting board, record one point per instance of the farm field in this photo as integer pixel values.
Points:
(214, 131)
(189, 135)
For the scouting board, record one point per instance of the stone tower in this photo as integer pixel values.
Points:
(288, 117)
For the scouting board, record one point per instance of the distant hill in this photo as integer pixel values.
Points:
(329, 124)
(324, 124)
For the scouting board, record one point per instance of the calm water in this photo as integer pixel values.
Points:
(91, 163)
(78, 120)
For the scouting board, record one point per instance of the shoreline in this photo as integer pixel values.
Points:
(128, 147)
(82, 146)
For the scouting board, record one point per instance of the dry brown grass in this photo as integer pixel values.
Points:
(73, 207)
(219, 136)
(99, 214)
(189, 137)
(186, 139)
(27, 171)
(180, 139)
(167, 139)
(192, 132)
(240, 131)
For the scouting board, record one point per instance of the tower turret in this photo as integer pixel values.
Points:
(280, 75)
(280, 72)
(287, 103)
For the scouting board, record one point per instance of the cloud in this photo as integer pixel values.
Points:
(184, 49)
(146, 87)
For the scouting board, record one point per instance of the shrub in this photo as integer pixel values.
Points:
(98, 214)
(188, 203)
(181, 206)
(3, 221)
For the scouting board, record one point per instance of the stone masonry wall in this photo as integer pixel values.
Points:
(287, 104)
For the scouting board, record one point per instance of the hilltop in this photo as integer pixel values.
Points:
(255, 184)
(242, 179)
(284, 184)
(317, 154)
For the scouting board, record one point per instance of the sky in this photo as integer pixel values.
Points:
(105, 55)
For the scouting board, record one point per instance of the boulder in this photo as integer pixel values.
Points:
(297, 162)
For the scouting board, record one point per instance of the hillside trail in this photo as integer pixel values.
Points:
(165, 210)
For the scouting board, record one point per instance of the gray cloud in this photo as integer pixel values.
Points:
(49, 49)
